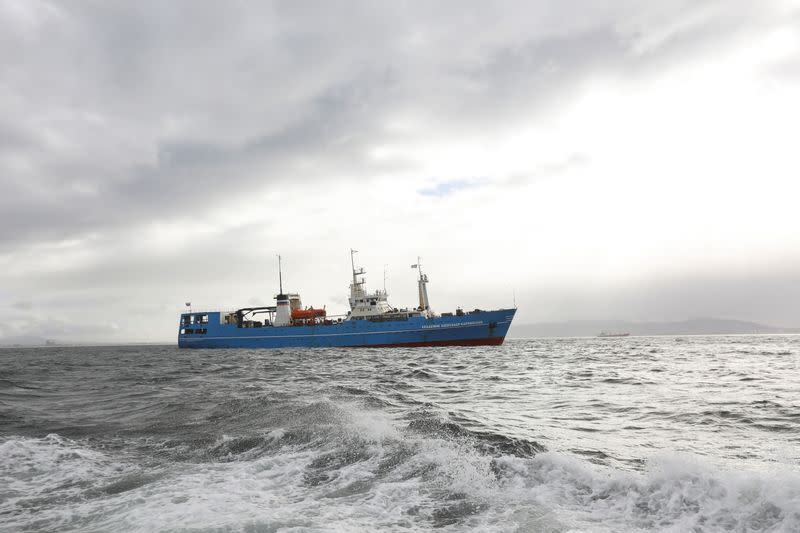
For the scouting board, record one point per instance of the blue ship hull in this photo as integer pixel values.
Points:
(473, 328)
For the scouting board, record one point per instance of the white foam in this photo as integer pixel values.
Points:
(549, 492)
(50, 469)
(276, 434)
(674, 493)
(375, 426)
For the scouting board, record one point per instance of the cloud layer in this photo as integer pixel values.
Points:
(156, 152)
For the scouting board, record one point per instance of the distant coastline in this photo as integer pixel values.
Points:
(692, 326)
(36, 342)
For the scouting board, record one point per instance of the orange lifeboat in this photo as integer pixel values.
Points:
(308, 314)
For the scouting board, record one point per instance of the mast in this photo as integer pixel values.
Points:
(353, 264)
(280, 276)
(422, 286)
(357, 288)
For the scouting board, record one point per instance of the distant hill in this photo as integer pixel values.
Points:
(692, 326)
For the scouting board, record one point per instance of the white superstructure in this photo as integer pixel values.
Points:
(362, 303)
(365, 304)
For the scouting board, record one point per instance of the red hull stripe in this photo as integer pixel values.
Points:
(487, 341)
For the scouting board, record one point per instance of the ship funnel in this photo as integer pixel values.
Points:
(283, 314)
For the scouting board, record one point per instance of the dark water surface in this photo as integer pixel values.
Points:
(659, 433)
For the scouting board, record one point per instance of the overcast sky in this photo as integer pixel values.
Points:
(597, 160)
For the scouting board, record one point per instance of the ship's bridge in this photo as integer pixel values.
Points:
(375, 306)
(363, 304)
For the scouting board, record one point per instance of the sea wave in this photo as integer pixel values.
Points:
(371, 472)
(540, 435)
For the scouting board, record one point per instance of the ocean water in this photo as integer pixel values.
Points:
(633, 434)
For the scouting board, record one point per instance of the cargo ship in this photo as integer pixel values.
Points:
(370, 322)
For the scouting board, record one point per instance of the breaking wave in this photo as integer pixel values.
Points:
(340, 467)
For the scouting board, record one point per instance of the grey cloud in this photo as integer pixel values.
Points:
(13, 137)
(193, 174)
(283, 82)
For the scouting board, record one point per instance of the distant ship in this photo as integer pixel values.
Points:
(613, 334)
(371, 322)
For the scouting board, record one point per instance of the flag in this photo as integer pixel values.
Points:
(414, 266)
